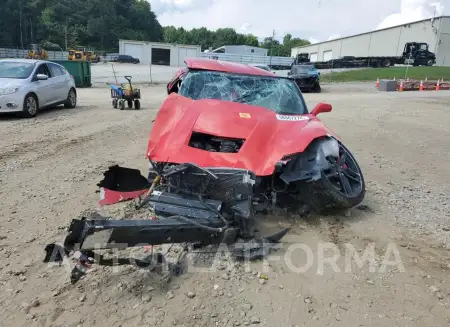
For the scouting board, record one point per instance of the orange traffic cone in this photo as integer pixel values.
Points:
(421, 86)
(378, 83)
(438, 87)
(400, 89)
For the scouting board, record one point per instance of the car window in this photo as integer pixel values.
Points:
(56, 71)
(277, 94)
(19, 70)
(43, 69)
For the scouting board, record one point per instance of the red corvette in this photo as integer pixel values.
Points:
(228, 141)
(223, 114)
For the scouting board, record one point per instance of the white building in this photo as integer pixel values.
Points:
(159, 53)
(386, 42)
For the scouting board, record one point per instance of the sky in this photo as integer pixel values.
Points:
(314, 20)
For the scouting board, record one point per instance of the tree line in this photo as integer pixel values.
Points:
(62, 24)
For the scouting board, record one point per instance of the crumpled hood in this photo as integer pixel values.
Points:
(268, 136)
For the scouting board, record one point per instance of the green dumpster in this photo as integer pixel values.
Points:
(80, 70)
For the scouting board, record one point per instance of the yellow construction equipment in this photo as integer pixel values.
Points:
(71, 54)
(36, 52)
(83, 53)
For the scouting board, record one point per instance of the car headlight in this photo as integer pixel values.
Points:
(8, 90)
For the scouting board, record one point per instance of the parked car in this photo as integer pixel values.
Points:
(28, 85)
(126, 58)
(307, 77)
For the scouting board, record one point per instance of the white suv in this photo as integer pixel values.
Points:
(28, 85)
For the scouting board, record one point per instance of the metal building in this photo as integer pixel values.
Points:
(159, 53)
(386, 42)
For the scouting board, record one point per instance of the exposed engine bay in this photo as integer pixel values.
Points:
(213, 143)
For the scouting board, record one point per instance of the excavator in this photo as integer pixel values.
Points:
(37, 52)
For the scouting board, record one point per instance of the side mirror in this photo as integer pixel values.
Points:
(41, 77)
(321, 107)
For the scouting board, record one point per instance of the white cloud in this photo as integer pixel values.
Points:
(245, 28)
(315, 20)
(413, 10)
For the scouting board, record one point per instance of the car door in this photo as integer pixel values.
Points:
(43, 88)
(59, 84)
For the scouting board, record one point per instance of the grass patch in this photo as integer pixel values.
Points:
(371, 74)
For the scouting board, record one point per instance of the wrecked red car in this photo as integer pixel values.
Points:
(229, 140)
(223, 114)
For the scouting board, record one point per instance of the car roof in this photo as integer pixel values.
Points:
(225, 66)
(29, 61)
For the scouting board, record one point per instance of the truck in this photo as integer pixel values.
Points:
(239, 49)
(248, 55)
(414, 53)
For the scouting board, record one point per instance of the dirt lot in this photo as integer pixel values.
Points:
(49, 168)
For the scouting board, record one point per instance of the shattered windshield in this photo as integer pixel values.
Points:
(280, 95)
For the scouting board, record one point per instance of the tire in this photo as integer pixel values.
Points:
(137, 104)
(323, 197)
(317, 88)
(430, 63)
(71, 101)
(114, 103)
(122, 104)
(30, 106)
(130, 104)
(386, 63)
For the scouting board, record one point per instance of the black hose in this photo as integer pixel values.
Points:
(190, 221)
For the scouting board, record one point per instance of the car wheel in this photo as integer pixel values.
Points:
(71, 101)
(137, 104)
(30, 106)
(317, 88)
(340, 187)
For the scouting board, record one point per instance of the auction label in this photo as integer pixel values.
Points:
(292, 118)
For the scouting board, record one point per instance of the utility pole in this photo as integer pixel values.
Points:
(270, 49)
(65, 35)
(20, 24)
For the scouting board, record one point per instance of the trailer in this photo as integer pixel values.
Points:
(414, 53)
(276, 63)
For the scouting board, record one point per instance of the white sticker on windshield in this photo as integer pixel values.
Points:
(292, 118)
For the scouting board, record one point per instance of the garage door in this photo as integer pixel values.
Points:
(313, 57)
(161, 56)
(327, 55)
(184, 53)
(134, 50)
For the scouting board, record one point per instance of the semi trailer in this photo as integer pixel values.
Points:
(414, 53)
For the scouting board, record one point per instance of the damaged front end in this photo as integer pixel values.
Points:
(192, 205)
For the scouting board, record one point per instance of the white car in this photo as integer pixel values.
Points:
(28, 85)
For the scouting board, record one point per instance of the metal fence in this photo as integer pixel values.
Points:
(52, 55)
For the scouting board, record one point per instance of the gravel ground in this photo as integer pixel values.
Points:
(49, 167)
